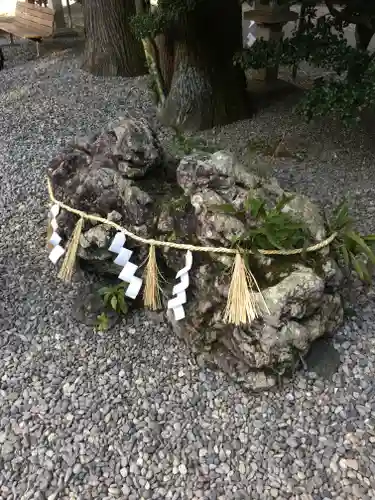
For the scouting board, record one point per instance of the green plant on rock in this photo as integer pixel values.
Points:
(353, 250)
(114, 300)
(102, 322)
(278, 230)
(114, 297)
(274, 228)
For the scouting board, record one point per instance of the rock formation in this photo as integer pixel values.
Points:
(124, 175)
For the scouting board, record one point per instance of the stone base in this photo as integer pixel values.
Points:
(265, 91)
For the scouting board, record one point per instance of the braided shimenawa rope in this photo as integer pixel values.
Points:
(185, 246)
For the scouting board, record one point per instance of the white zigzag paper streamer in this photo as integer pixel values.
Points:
(176, 304)
(251, 35)
(129, 269)
(55, 239)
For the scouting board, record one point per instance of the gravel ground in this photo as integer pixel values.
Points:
(126, 414)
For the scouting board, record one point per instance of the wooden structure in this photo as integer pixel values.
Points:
(31, 21)
(42, 3)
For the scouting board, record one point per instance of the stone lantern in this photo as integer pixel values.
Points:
(270, 19)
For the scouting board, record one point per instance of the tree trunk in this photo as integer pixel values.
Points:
(204, 88)
(70, 19)
(166, 58)
(111, 48)
(363, 36)
(59, 18)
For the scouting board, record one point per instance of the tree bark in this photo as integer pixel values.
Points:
(111, 48)
(70, 19)
(196, 59)
(166, 51)
(363, 36)
(56, 5)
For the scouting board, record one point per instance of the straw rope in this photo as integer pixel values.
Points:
(185, 246)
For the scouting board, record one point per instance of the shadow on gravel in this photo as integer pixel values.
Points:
(75, 44)
(323, 359)
(22, 51)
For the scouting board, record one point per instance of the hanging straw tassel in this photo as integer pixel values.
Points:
(151, 294)
(67, 267)
(242, 305)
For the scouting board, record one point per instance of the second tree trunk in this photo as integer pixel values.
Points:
(111, 48)
(204, 88)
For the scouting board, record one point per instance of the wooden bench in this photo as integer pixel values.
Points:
(30, 21)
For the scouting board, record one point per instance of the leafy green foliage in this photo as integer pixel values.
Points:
(273, 228)
(102, 322)
(342, 97)
(321, 42)
(148, 24)
(353, 250)
(167, 16)
(114, 298)
(278, 230)
(317, 45)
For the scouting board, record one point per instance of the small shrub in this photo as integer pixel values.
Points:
(102, 322)
(114, 300)
(320, 41)
(277, 230)
(354, 251)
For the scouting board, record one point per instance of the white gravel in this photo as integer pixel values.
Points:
(126, 414)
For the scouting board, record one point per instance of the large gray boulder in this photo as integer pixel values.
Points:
(125, 176)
